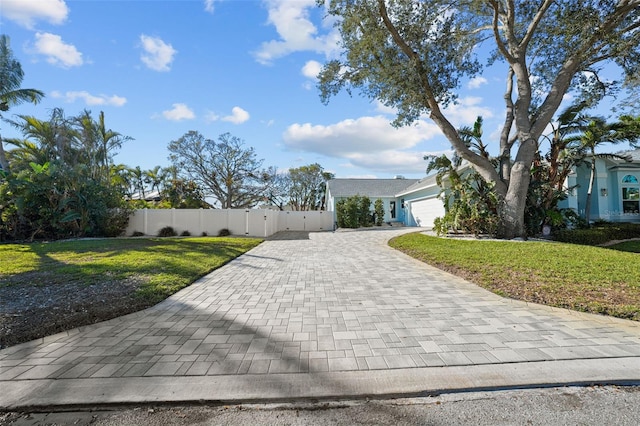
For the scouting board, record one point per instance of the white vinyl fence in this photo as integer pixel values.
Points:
(249, 222)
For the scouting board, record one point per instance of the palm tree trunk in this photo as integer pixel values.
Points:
(592, 179)
(4, 163)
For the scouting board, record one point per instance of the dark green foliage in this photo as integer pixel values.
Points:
(354, 212)
(224, 232)
(378, 208)
(60, 182)
(167, 231)
(182, 194)
(137, 234)
(204, 234)
(598, 234)
(471, 204)
(185, 234)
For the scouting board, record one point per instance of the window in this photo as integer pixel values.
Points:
(392, 209)
(630, 195)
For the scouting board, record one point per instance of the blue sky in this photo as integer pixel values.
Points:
(161, 68)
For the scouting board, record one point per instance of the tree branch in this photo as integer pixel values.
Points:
(484, 166)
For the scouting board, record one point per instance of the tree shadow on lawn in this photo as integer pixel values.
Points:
(58, 296)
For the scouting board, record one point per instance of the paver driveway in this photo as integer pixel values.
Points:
(321, 302)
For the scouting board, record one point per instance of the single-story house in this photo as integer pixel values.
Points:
(413, 202)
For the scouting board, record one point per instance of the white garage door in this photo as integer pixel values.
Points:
(425, 211)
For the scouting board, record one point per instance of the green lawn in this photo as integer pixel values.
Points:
(630, 246)
(584, 278)
(162, 265)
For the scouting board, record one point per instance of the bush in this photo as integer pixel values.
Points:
(185, 234)
(137, 234)
(353, 212)
(378, 208)
(204, 234)
(224, 232)
(598, 234)
(167, 231)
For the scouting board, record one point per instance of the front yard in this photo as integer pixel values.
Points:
(50, 287)
(584, 278)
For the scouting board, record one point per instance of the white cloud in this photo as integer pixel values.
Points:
(372, 143)
(463, 113)
(348, 137)
(380, 107)
(27, 12)
(209, 5)
(211, 116)
(476, 82)
(466, 111)
(238, 116)
(394, 162)
(297, 32)
(90, 99)
(311, 69)
(179, 112)
(368, 142)
(157, 54)
(57, 52)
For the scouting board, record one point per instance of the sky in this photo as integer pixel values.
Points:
(159, 69)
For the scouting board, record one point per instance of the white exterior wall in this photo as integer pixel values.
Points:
(249, 222)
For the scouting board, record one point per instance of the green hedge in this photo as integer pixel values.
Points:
(598, 234)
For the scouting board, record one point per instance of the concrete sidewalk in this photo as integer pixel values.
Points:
(319, 316)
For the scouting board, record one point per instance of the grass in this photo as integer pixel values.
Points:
(583, 278)
(630, 246)
(162, 265)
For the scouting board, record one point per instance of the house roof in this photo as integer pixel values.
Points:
(368, 187)
(635, 154)
(427, 182)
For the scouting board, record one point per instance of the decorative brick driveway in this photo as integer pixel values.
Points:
(321, 302)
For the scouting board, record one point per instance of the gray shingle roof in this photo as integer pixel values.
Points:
(368, 187)
(635, 154)
(421, 184)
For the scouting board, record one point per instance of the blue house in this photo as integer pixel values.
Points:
(616, 191)
(410, 202)
(384, 189)
(413, 202)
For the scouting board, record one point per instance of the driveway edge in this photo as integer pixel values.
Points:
(91, 393)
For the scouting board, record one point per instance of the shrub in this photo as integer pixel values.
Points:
(378, 208)
(204, 234)
(224, 232)
(185, 234)
(167, 231)
(598, 234)
(137, 234)
(353, 212)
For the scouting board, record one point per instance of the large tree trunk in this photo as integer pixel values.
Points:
(511, 209)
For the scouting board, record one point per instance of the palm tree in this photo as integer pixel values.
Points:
(155, 177)
(108, 141)
(594, 134)
(11, 94)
